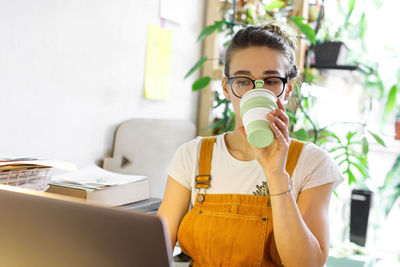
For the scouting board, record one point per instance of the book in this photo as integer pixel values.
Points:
(100, 186)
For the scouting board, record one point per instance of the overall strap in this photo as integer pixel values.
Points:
(293, 155)
(204, 175)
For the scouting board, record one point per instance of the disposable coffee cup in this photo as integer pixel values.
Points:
(254, 107)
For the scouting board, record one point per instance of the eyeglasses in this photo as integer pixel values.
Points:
(241, 85)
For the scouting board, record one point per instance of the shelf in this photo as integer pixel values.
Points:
(336, 67)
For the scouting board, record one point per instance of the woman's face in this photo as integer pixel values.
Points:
(257, 63)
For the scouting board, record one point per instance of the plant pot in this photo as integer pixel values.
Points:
(330, 54)
(397, 129)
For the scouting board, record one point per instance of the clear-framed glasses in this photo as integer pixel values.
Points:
(241, 85)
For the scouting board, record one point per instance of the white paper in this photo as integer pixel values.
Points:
(94, 175)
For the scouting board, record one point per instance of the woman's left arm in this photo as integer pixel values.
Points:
(302, 230)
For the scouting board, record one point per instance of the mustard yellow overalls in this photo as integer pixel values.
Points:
(230, 229)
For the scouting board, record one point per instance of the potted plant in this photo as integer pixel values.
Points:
(330, 50)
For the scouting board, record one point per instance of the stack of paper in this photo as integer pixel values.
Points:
(95, 184)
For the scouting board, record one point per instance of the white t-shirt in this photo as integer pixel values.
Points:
(229, 175)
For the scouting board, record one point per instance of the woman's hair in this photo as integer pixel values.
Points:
(270, 35)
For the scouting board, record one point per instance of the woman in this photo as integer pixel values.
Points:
(252, 206)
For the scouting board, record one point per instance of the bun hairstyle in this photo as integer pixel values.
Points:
(272, 35)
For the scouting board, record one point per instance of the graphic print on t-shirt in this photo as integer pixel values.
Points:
(262, 190)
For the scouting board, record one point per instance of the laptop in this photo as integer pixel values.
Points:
(43, 229)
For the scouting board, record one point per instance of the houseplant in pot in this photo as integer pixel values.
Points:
(330, 49)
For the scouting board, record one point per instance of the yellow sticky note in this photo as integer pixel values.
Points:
(158, 63)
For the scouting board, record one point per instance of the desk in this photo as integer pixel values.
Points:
(149, 206)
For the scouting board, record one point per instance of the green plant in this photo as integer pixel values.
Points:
(350, 151)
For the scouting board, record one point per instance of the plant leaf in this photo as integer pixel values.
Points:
(361, 33)
(274, 4)
(227, 43)
(390, 104)
(339, 155)
(377, 138)
(352, 178)
(365, 146)
(323, 141)
(301, 135)
(206, 32)
(393, 174)
(325, 133)
(355, 143)
(201, 83)
(304, 28)
(220, 24)
(361, 169)
(343, 161)
(361, 158)
(337, 138)
(292, 117)
(350, 135)
(196, 66)
(250, 12)
(351, 8)
(210, 29)
(336, 149)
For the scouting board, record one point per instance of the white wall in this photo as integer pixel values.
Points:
(72, 70)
